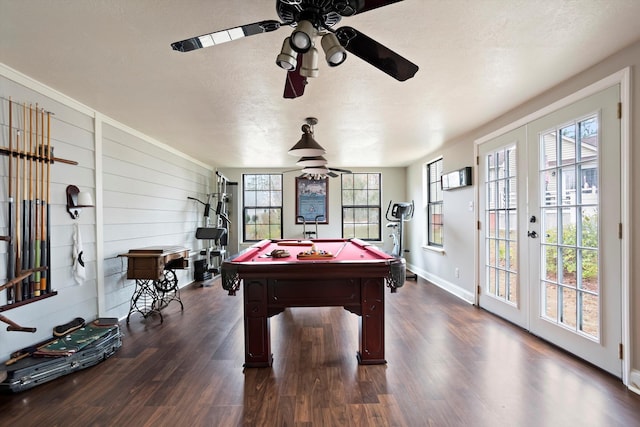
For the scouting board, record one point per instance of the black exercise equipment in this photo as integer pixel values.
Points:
(217, 235)
(309, 234)
(397, 214)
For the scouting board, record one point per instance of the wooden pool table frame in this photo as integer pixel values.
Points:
(270, 287)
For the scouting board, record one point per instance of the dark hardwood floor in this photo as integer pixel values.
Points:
(449, 364)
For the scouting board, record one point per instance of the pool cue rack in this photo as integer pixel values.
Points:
(30, 156)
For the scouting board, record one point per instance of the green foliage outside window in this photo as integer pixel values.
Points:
(569, 238)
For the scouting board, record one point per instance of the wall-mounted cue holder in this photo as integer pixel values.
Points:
(28, 217)
(456, 179)
(76, 200)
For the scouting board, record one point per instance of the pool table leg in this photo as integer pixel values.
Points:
(257, 335)
(372, 322)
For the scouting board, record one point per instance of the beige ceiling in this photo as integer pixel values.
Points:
(223, 105)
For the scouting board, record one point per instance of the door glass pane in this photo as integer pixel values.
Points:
(549, 296)
(569, 308)
(570, 290)
(549, 226)
(590, 324)
(501, 236)
(550, 263)
(568, 145)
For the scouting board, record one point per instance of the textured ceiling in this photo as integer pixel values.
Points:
(223, 105)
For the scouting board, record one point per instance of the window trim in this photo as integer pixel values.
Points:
(245, 206)
(378, 206)
(439, 247)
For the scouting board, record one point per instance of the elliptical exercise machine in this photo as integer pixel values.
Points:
(397, 214)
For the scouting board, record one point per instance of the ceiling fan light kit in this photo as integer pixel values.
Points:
(333, 50)
(311, 18)
(302, 37)
(287, 58)
(310, 64)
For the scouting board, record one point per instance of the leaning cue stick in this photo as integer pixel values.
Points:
(25, 210)
(43, 204)
(18, 265)
(48, 234)
(18, 286)
(33, 130)
(39, 215)
(11, 219)
(36, 210)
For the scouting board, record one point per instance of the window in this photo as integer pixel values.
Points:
(434, 204)
(361, 206)
(262, 207)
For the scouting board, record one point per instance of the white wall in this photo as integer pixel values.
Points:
(140, 188)
(145, 203)
(439, 266)
(393, 188)
(460, 224)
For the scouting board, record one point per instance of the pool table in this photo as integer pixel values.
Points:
(330, 272)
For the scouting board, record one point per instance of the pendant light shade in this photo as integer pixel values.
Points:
(311, 161)
(307, 146)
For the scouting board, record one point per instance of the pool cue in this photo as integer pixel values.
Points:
(48, 211)
(17, 289)
(33, 130)
(43, 202)
(11, 219)
(340, 250)
(25, 210)
(18, 286)
(28, 351)
(36, 210)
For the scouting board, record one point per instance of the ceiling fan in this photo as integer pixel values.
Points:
(314, 165)
(319, 172)
(311, 18)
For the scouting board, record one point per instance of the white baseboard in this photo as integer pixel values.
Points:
(634, 381)
(452, 288)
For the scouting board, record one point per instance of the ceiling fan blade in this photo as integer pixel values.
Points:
(333, 174)
(295, 83)
(340, 170)
(230, 34)
(359, 6)
(376, 54)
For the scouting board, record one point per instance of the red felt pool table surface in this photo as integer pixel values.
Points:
(351, 250)
(354, 277)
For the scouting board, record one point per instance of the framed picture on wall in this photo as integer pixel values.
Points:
(312, 197)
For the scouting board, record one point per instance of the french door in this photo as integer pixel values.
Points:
(549, 208)
(502, 204)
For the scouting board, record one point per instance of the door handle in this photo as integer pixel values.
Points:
(532, 234)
